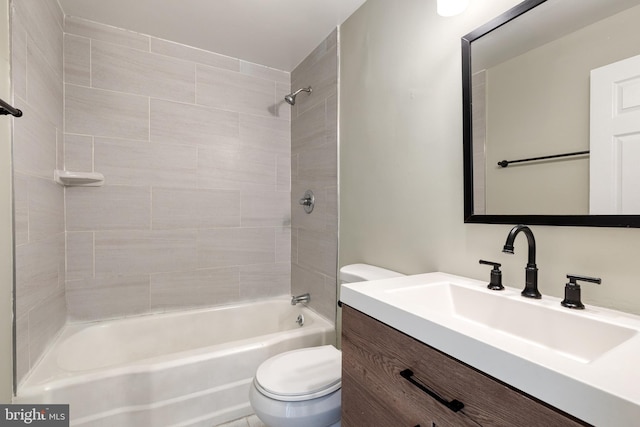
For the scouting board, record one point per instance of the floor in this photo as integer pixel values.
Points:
(252, 421)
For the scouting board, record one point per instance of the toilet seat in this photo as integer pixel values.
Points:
(302, 374)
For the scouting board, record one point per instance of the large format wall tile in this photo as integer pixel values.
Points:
(43, 23)
(44, 87)
(265, 134)
(314, 159)
(59, 148)
(179, 123)
(265, 209)
(322, 77)
(332, 210)
(140, 163)
(120, 69)
(78, 153)
(18, 58)
(22, 346)
(320, 71)
(38, 271)
(37, 72)
(265, 281)
(283, 245)
(309, 129)
(80, 255)
(322, 289)
(105, 113)
(144, 252)
(45, 321)
(34, 142)
(283, 173)
(21, 208)
(197, 288)
(318, 251)
(106, 298)
(326, 47)
(236, 168)
(195, 208)
(46, 208)
(77, 60)
(331, 123)
(319, 163)
(108, 208)
(233, 91)
(236, 246)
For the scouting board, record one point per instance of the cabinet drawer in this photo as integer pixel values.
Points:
(375, 354)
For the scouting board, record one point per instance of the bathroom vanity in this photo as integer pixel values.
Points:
(436, 350)
(377, 389)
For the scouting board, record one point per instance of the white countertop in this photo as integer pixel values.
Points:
(604, 391)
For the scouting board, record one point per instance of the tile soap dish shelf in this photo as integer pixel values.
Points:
(78, 179)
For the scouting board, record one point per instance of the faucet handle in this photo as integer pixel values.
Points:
(495, 282)
(572, 290)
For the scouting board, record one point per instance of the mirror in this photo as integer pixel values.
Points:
(533, 101)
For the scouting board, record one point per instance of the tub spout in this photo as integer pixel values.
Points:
(300, 298)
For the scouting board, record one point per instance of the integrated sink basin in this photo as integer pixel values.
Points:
(553, 327)
(583, 362)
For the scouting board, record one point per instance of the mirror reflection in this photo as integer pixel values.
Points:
(561, 79)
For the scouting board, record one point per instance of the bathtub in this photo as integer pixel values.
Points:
(190, 368)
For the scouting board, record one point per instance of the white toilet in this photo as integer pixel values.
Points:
(302, 387)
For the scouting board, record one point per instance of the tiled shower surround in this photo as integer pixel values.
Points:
(36, 74)
(314, 166)
(196, 150)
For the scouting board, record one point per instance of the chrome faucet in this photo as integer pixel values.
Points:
(531, 271)
(300, 298)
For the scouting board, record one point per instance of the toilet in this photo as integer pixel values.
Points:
(302, 387)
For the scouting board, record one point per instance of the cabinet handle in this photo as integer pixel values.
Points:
(454, 405)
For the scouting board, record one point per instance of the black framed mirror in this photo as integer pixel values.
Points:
(528, 103)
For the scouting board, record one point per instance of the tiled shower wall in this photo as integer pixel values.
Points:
(195, 150)
(36, 65)
(314, 163)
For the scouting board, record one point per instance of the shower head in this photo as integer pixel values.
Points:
(291, 98)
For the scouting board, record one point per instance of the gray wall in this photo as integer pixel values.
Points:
(401, 201)
(195, 150)
(36, 63)
(6, 233)
(314, 161)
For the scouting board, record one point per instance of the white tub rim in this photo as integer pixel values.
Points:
(64, 378)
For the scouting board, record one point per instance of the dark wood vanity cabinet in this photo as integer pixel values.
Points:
(374, 393)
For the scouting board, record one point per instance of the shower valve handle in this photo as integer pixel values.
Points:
(308, 201)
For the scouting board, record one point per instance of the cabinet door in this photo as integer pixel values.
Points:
(375, 393)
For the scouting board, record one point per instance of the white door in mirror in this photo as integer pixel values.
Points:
(615, 138)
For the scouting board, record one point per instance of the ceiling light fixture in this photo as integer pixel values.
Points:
(451, 7)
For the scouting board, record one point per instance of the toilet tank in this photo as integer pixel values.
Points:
(364, 272)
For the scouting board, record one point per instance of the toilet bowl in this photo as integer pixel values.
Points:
(302, 387)
(299, 388)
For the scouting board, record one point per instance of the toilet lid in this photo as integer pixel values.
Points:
(303, 374)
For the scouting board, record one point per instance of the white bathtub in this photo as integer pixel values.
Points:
(190, 368)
